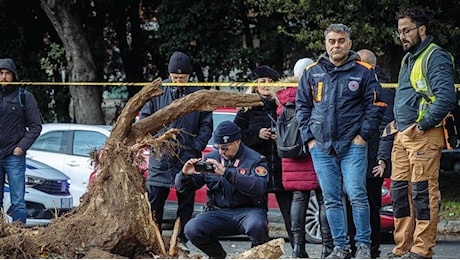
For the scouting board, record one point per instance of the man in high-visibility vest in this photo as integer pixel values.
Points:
(424, 96)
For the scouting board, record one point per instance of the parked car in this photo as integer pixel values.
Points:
(66, 147)
(47, 194)
(312, 226)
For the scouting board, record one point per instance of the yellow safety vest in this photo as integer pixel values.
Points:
(419, 81)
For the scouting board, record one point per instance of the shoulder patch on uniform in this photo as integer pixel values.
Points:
(365, 64)
(261, 171)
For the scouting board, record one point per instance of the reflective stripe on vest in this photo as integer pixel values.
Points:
(419, 81)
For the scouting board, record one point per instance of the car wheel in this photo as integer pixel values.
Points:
(312, 226)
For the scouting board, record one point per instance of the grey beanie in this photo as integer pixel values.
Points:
(179, 63)
(8, 64)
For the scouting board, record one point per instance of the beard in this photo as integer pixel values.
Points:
(410, 45)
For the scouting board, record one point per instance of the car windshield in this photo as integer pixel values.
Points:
(219, 117)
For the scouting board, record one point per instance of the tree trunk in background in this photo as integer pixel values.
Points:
(86, 99)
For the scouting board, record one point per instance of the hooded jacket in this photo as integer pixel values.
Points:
(19, 125)
(197, 129)
(335, 104)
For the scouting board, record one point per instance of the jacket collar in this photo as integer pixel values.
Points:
(422, 46)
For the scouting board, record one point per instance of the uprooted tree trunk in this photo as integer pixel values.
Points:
(115, 216)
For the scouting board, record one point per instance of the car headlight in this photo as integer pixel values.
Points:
(33, 181)
(384, 191)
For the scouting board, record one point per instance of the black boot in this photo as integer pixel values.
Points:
(326, 236)
(298, 250)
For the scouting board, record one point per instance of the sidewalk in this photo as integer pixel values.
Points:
(449, 226)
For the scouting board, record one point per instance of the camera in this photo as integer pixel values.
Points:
(204, 167)
(273, 130)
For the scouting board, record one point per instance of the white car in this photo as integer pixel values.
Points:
(47, 194)
(66, 147)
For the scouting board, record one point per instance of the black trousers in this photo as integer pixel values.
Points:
(284, 199)
(185, 201)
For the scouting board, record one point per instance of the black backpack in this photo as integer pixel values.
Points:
(288, 138)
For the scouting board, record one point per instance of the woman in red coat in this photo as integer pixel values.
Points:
(298, 175)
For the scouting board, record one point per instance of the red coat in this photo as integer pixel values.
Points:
(297, 174)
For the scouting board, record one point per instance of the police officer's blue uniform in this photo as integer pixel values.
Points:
(236, 201)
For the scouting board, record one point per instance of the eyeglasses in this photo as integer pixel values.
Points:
(223, 148)
(405, 31)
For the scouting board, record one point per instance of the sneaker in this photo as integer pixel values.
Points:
(412, 255)
(183, 247)
(392, 255)
(363, 252)
(339, 253)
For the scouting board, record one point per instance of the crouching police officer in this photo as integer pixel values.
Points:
(237, 178)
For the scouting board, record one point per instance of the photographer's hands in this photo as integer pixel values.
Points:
(189, 168)
(219, 169)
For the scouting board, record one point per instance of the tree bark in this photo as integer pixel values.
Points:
(86, 99)
(114, 215)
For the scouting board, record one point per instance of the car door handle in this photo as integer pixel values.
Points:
(73, 163)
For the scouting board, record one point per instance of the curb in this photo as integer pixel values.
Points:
(449, 226)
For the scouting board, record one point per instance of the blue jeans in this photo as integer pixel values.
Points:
(15, 168)
(336, 173)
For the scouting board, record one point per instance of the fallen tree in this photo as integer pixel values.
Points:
(114, 218)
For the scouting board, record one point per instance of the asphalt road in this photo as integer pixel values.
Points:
(447, 247)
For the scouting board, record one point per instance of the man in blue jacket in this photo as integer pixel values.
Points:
(338, 109)
(196, 130)
(20, 125)
(424, 96)
(236, 203)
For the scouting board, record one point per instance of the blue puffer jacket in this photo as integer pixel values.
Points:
(335, 104)
(440, 81)
(197, 129)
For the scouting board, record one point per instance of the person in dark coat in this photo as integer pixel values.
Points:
(379, 161)
(298, 174)
(20, 126)
(338, 108)
(236, 204)
(197, 129)
(258, 132)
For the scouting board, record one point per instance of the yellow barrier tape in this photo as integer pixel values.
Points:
(188, 84)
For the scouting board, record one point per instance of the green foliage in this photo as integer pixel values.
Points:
(213, 37)
(55, 60)
(373, 24)
(450, 210)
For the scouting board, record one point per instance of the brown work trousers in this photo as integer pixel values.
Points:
(415, 189)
